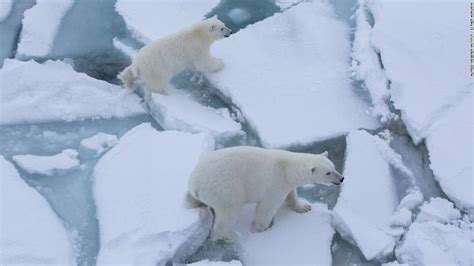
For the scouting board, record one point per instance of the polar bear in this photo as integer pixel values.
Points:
(157, 62)
(227, 179)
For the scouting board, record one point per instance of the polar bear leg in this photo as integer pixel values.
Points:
(209, 64)
(224, 222)
(265, 212)
(296, 204)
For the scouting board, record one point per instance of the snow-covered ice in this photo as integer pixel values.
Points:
(216, 263)
(48, 165)
(424, 56)
(179, 111)
(40, 26)
(368, 197)
(5, 9)
(449, 144)
(289, 78)
(139, 190)
(294, 238)
(30, 231)
(52, 91)
(367, 67)
(152, 19)
(431, 240)
(98, 143)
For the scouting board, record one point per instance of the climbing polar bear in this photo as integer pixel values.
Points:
(157, 62)
(228, 178)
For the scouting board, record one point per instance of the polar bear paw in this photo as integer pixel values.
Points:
(217, 65)
(257, 228)
(229, 236)
(301, 207)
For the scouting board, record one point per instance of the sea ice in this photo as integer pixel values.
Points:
(216, 263)
(414, 52)
(294, 239)
(434, 241)
(139, 187)
(152, 19)
(277, 74)
(367, 67)
(5, 9)
(31, 233)
(179, 111)
(40, 25)
(98, 143)
(449, 144)
(52, 91)
(368, 197)
(48, 165)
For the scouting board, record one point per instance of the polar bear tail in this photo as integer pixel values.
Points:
(190, 202)
(127, 77)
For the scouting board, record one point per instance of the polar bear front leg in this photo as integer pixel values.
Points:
(296, 204)
(224, 222)
(264, 213)
(209, 64)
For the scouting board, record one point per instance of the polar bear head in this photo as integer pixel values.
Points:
(216, 28)
(323, 170)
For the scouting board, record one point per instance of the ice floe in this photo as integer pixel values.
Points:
(139, 189)
(179, 111)
(152, 19)
(31, 233)
(294, 238)
(98, 143)
(48, 165)
(5, 9)
(438, 236)
(368, 197)
(40, 25)
(53, 91)
(289, 78)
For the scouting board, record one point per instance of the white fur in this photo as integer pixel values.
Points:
(157, 62)
(229, 178)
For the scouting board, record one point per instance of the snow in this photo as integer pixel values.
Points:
(285, 4)
(449, 145)
(439, 210)
(152, 19)
(48, 165)
(5, 9)
(31, 233)
(216, 263)
(40, 26)
(412, 200)
(98, 143)
(414, 51)
(366, 66)
(294, 239)
(277, 74)
(368, 197)
(178, 111)
(57, 93)
(430, 241)
(139, 188)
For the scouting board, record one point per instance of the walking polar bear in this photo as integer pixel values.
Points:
(228, 178)
(157, 62)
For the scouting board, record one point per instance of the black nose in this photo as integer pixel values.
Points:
(342, 179)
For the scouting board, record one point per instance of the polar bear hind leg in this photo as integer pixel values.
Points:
(296, 204)
(224, 221)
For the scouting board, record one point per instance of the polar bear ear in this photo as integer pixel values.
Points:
(325, 153)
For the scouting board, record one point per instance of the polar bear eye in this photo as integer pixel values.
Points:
(313, 169)
(328, 173)
(222, 29)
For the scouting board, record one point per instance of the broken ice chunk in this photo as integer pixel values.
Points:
(40, 25)
(294, 239)
(290, 97)
(98, 144)
(31, 233)
(439, 210)
(152, 19)
(178, 111)
(32, 92)
(5, 9)
(429, 242)
(48, 165)
(368, 197)
(139, 187)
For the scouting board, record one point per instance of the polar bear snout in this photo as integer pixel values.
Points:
(227, 32)
(338, 178)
